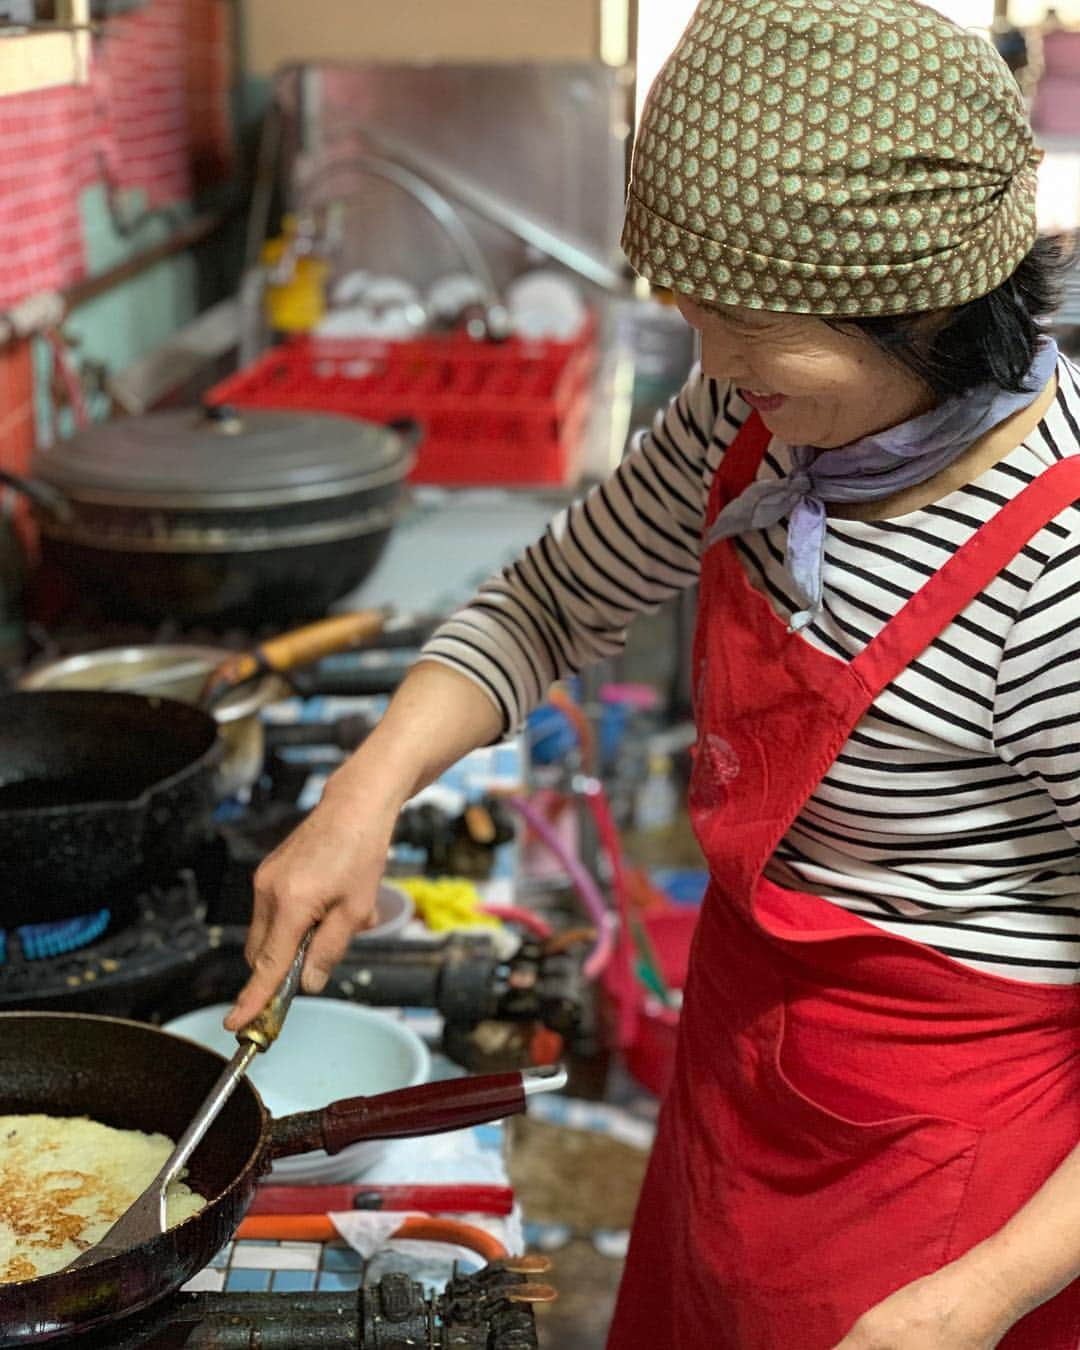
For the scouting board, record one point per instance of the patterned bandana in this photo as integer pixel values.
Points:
(867, 470)
(831, 157)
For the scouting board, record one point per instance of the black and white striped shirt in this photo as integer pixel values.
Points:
(952, 815)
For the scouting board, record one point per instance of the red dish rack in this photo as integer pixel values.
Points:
(509, 413)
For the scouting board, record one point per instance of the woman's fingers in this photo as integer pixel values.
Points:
(351, 915)
(272, 953)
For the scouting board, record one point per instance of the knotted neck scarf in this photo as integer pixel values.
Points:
(867, 470)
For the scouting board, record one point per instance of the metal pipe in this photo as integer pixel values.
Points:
(47, 309)
(571, 253)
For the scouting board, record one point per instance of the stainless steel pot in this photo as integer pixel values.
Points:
(182, 672)
(179, 672)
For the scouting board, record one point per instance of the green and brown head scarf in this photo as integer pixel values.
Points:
(831, 157)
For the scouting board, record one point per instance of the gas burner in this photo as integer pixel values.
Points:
(491, 1310)
(44, 941)
(124, 968)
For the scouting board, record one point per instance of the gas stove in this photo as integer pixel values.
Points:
(179, 945)
(491, 1310)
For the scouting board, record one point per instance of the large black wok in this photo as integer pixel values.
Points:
(132, 1076)
(217, 517)
(99, 792)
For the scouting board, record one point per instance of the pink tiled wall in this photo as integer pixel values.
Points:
(155, 112)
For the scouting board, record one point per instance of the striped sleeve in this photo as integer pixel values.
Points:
(1037, 700)
(622, 550)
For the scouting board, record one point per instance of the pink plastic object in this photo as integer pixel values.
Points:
(1055, 107)
(1061, 53)
(510, 413)
(639, 697)
(649, 1052)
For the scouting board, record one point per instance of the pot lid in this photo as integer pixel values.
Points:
(198, 455)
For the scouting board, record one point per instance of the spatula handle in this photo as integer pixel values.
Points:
(262, 1031)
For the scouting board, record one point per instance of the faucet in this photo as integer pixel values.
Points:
(496, 316)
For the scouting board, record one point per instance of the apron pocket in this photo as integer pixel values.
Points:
(845, 1070)
(830, 1214)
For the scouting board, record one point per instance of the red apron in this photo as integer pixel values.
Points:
(850, 1110)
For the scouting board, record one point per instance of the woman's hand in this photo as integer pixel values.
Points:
(326, 873)
(960, 1307)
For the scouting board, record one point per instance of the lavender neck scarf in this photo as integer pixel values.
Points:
(867, 470)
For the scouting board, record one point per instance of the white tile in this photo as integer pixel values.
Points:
(302, 1256)
(206, 1282)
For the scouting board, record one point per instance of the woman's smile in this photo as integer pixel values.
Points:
(761, 401)
(813, 383)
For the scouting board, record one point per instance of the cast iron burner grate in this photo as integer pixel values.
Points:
(491, 1310)
(123, 968)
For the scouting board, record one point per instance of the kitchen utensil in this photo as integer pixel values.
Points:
(362, 1051)
(241, 688)
(177, 672)
(98, 793)
(461, 1198)
(101, 792)
(217, 517)
(134, 1076)
(147, 1217)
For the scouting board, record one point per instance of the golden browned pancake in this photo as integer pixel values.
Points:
(64, 1181)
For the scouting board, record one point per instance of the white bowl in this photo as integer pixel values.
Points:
(394, 911)
(328, 1050)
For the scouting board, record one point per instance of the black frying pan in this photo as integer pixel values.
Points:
(103, 791)
(98, 791)
(133, 1076)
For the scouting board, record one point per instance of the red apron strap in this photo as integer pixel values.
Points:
(971, 568)
(739, 466)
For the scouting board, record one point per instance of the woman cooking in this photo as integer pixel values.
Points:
(871, 1140)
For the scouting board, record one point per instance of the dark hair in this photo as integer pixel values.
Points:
(991, 340)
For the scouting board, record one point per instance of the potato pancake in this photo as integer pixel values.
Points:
(64, 1181)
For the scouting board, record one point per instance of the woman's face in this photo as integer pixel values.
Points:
(812, 384)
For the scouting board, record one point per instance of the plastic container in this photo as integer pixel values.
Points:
(650, 1051)
(296, 304)
(328, 1050)
(511, 413)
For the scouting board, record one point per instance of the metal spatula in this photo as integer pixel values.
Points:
(145, 1219)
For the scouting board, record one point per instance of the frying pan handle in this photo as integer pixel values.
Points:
(302, 647)
(430, 1108)
(45, 497)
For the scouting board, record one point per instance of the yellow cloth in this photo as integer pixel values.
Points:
(447, 903)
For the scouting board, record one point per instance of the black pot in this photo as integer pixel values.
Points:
(218, 517)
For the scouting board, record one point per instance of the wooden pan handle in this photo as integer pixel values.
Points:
(301, 647)
(430, 1108)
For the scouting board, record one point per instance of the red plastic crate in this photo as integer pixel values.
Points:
(508, 413)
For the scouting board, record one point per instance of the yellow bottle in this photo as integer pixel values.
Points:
(297, 302)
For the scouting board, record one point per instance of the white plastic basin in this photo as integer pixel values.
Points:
(328, 1050)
